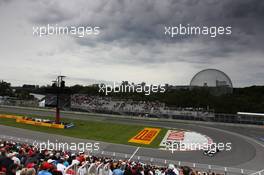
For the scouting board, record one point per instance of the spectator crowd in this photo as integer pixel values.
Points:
(23, 159)
(107, 104)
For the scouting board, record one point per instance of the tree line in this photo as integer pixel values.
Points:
(247, 99)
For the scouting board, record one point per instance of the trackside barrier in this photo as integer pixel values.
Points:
(92, 169)
(258, 173)
(196, 166)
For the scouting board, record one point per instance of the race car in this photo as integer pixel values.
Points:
(211, 151)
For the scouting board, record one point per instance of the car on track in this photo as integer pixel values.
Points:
(211, 151)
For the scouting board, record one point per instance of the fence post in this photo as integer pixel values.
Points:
(76, 169)
(84, 168)
(210, 168)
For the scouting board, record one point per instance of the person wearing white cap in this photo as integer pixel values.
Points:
(16, 160)
(158, 172)
(172, 170)
(75, 161)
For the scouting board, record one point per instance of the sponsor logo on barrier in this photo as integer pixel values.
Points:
(10, 116)
(35, 123)
(20, 119)
(145, 136)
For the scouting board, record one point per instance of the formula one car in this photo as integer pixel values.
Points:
(211, 151)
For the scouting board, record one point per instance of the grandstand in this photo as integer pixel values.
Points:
(24, 159)
(130, 107)
(18, 102)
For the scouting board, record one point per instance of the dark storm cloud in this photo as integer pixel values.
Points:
(51, 12)
(3, 2)
(247, 19)
(139, 25)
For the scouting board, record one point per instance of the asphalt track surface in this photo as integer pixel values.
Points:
(247, 152)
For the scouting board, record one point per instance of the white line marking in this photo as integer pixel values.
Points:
(134, 153)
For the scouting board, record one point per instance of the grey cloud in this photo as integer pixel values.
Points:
(127, 23)
(51, 12)
(4, 2)
(132, 32)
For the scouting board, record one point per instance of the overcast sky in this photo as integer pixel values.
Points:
(131, 44)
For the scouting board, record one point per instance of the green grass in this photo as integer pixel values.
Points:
(93, 130)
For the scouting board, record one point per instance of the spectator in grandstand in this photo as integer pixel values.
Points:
(28, 171)
(172, 170)
(118, 171)
(45, 169)
(60, 165)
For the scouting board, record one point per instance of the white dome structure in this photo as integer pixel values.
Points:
(215, 80)
(211, 78)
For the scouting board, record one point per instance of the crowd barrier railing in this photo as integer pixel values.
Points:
(73, 168)
(258, 173)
